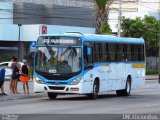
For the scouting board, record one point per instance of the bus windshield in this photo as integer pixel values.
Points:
(58, 60)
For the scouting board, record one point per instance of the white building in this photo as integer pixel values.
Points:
(132, 9)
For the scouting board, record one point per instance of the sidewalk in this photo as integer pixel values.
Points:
(151, 82)
(152, 77)
(20, 89)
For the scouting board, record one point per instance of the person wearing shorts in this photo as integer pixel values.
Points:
(25, 76)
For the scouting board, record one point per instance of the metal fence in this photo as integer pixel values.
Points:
(152, 63)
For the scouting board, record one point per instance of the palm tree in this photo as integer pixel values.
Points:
(102, 12)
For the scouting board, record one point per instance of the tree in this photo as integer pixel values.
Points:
(105, 29)
(148, 28)
(132, 27)
(102, 12)
(151, 27)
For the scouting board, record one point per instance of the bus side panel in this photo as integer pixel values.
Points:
(121, 75)
(137, 72)
(105, 84)
(100, 72)
(115, 73)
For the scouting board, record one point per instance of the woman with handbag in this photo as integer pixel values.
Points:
(25, 76)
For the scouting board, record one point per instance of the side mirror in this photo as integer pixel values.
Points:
(89, 67)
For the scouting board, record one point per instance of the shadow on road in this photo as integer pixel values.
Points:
(83, 97)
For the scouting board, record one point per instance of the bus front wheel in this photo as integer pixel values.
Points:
(52, 96)
(95, 91)
(127, 90)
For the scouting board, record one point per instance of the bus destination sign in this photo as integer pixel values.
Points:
(43, 40)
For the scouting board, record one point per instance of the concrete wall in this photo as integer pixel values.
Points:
(152, 63)
(31, 32)
(10, 32)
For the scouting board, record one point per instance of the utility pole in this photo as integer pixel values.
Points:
(19, 37)
(119, 18)
(159, 45)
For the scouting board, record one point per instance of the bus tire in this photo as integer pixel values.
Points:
(94, 94)
(52, 96)
(127, 90)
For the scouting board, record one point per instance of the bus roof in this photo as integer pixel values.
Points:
(109, 38)
(101, 38)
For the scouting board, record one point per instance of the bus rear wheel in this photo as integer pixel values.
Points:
(127, 90)
(94, 94)
(52, 96)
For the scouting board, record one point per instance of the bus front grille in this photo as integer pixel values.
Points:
(56, 88)
(55, 83)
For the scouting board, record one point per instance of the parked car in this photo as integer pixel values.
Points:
(8, 71)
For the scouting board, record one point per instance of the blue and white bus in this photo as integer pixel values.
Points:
(88, 64)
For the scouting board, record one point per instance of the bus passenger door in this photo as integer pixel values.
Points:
(88, 69)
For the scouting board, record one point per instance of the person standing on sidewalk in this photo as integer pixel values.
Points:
(9, 66)
(15, 76)
(2, 77)
(25, 76)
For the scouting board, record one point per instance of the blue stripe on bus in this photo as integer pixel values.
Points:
(102, 38)
(62, 81)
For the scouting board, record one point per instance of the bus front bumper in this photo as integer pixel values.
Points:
(61, 89)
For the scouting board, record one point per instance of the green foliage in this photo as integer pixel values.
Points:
(147, 27)
(151, 72)
(101, 3)
(132, 28)
(152, 29)
(105, 29)
(31, 72)
(5, 57)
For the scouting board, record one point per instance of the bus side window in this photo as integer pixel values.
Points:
(88, 55)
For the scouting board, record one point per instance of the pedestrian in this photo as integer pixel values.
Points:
(9, 66)
(2, 77)
(15, 76)
(25, 76)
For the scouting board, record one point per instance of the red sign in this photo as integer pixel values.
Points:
(44, 29)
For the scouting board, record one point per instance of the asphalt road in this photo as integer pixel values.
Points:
(142, 101)
(145, 100)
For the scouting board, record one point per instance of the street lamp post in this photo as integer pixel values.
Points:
(119, 18)
(19, 35)
(159, 45)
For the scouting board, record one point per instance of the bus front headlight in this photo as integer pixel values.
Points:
(38, 80)
(76, 81)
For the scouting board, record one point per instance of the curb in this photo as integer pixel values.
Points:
(16, 97)
(151, 78)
